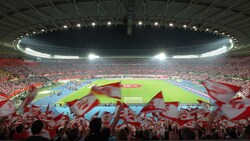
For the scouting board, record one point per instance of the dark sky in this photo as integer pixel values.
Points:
(114, 41)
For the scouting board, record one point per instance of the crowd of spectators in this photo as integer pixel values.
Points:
(96, 130)
(234, 70)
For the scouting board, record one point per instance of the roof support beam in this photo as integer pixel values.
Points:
(130, 16)
(45, 16)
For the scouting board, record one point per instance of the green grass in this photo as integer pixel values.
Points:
(40, 96)
(148, 89)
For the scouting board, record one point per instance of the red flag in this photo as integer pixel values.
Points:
(155, 104)
(29, 98)
(236, 109)
(6, 108)
(83, 105)
(171, 110)
(220, 91)
(112, 90)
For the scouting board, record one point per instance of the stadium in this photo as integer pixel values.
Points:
(124, 70)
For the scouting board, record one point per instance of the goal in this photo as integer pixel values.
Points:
(134, 100)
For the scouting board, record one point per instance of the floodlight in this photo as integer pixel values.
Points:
(156, 23)
(160, 56)
(93, 24)
(65, 26)
(78, 25)
(215, 52)
(215, 31)
(185, 56)
(140, 22)
(207, 29)
(21, 36)
(222, 33)
(171, 24)
(34, 32)
(228, 35)
(36, 53)
(42, 30)
(93, 56)
(65, 57)
(194, 27)
(109, 23)
(27, 34)
(184, 26)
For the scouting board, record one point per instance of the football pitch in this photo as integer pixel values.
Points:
(138, 91)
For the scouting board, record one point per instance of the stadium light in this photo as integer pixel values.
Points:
(215, 31)
(109, 23)
(34, 32)
(21, 36)
(140, 22)
(222, 33)
(78, 25)
(36, 53)
(185, 56)
(194, 27)
(171, 24)
(27, 34)
(65, 26)
(93, 56)
(184, 26)
(156, 23)
(215, 52)
(42, 30)
(207, 29)
(93, 24)
(65, 57)
(160, 56)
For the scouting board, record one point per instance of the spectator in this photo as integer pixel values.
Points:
(36, 129)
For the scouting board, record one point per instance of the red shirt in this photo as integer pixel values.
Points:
(20, 136)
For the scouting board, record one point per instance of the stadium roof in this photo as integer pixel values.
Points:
(227, 17)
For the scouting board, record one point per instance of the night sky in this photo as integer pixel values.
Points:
(114, 41)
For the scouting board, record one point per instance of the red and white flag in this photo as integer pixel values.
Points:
(6, 107)
(171, 111)
(236, 109)
(220, 91)
(205, 106)
(35, 110)
(16, 119)
(118, 105)
(155, 104)
(83, 105)
(112, 90)
(185, 114)
(29, 98)
(3, 97)
(130, 116)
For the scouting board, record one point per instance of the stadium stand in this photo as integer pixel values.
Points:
(18, 75)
